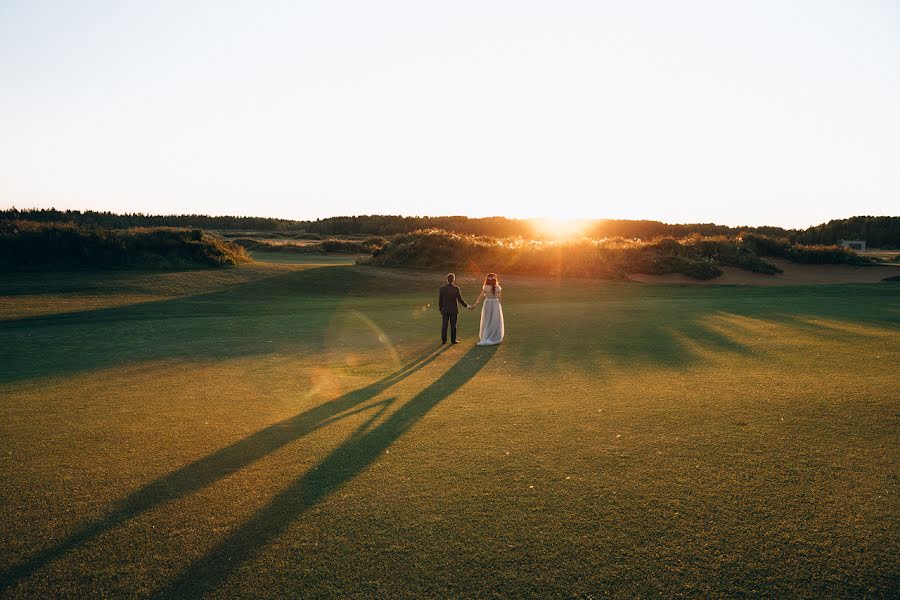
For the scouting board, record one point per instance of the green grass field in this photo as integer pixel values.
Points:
(296, 430)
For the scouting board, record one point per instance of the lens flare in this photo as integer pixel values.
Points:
(380, 335)
(322, 382)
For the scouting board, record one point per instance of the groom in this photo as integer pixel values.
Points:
(447, 299)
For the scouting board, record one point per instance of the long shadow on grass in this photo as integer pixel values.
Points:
(291, 310)
(346, 462)
(604, 326)
(221, 464)
(671, 327)
(649, 332)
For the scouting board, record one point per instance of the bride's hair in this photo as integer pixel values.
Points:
(491, 280)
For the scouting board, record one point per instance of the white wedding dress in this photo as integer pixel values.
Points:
(491, 330)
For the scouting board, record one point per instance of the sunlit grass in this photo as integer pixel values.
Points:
(297, 432)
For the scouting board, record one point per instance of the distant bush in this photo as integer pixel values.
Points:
(29, 245)
(828, 255)
(702, 268)
(725, 252)
(817, 255)
(762, 245)
(375, 242)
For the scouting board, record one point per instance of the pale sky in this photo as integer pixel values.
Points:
(758, 112)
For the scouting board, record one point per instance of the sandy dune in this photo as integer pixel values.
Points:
(794, 274)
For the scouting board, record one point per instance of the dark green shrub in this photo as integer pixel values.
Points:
(29, 245)
(701, 268)
(764, 245)
(814, 255)
(826, 255)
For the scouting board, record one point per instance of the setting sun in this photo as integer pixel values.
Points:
(557, 228)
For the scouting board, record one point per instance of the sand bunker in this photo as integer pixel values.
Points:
(794, 274)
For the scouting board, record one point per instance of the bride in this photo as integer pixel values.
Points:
(491, 330)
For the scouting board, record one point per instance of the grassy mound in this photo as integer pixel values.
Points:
(698, 257)
(331, 245)
(283, 235)
(28, 245)
(254, 245)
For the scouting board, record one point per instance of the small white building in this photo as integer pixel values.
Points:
(853, 244)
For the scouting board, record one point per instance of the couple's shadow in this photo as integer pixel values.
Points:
(344, 463)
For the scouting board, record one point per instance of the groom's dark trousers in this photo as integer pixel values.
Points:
(451, 319)
(448, 298)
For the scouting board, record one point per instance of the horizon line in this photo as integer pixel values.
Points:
(430, 216)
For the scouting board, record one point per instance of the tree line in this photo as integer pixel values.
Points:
(110, 220)
(879, 232)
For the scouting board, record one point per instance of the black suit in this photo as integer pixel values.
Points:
(447, 298)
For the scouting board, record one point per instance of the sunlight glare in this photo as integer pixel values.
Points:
(558, 228)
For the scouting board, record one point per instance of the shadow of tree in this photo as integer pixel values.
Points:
(208, 470)
(346, 462)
